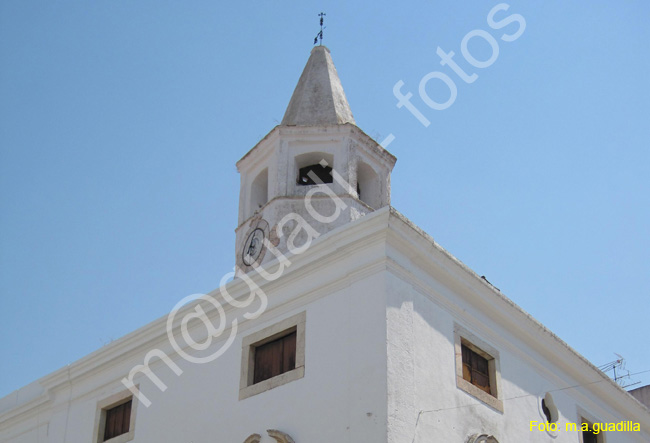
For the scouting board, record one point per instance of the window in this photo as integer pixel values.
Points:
(477, 368)
(322, 173)
(115, 419)
(273, 356)
(589, 428)
(588, 435)
(118, 419)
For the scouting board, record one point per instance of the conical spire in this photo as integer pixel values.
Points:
(318, 98)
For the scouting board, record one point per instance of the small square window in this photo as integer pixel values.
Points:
(118, 419)
(115, 419)
(273, 356)
(477, 368)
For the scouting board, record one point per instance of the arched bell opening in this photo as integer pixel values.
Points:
(368, 187)
(259, 192)
(314, 168)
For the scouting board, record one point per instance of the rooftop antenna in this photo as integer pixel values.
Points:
(320, 34)
(623, 377)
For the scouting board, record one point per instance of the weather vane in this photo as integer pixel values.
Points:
(320, 34)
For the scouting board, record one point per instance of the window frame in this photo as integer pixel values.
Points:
(476, 352)
(463, 337)
(586, 417)
(281, 339)
(100, 417)
(247, 387)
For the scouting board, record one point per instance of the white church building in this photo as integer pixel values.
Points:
(345, 322)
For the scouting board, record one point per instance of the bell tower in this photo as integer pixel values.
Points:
(313, 173)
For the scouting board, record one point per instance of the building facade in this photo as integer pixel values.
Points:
(344, 322)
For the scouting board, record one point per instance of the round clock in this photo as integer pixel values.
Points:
(253, 247)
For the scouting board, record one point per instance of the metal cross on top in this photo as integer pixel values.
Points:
(320, 34)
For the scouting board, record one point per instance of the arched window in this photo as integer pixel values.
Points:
(314, 168)
(259, 191)
(368, 187)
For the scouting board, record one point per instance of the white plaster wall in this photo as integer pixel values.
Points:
(322, 204)
(342, 396)
(381, 302)
(35, 433)
(421, 376)
(265, 156)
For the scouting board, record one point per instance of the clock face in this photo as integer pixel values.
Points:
(253, 247)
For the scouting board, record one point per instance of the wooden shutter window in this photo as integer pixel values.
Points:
(118, 419)
(275, 357)
(476, 369)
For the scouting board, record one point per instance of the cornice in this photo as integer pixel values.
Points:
(325, 130)
(432, 269)
(325, 251)
(25, 411)
(260, 143)
(450, 272)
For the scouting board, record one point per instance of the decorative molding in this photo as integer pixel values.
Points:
(482, 438)
(400, 238)
(435, 260)
(278, 436)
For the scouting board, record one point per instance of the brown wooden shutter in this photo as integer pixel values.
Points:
(289, 354)
(480, 372)
(275, 357)
(118, 420)
(475, 369)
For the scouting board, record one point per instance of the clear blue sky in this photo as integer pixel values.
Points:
(121, 122)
